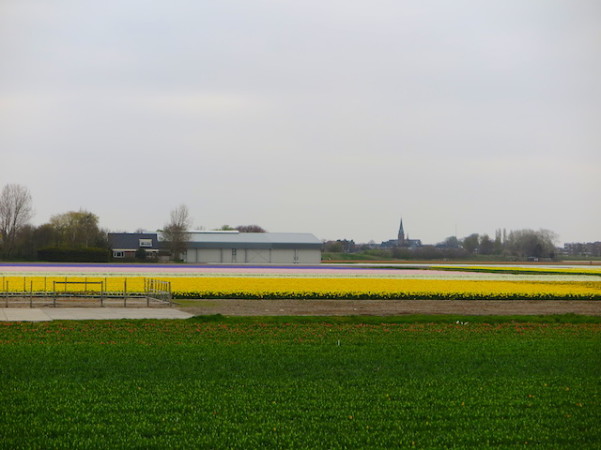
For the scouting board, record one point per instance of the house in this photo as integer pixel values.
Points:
(233, 247)
(129, 245)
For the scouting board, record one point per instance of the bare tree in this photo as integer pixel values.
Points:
(15, 213)
(535, 244)
(175, 233)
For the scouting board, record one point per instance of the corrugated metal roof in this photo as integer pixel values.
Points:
(256, 240)
(304, 238)
(221, 240)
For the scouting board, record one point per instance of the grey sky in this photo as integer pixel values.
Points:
(330, 117)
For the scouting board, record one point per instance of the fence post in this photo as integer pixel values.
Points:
(148, 293)
(31, 294)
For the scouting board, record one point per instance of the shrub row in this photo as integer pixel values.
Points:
(88, 254)
(520, 271)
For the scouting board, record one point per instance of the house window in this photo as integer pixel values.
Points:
(117, 254)
(145, 242)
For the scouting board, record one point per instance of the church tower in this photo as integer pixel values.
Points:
(401, 237)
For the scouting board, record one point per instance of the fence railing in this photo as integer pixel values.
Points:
(158, 289)
(20, 289)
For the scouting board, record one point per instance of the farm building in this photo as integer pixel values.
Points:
(227, 247)
(233, 247)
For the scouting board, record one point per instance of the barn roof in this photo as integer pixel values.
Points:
(252, 240)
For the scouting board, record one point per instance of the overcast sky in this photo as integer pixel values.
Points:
(335, 117)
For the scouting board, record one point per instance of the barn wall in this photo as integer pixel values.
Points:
(205, 255)
(309, 256)
(258, 255)
(253, 256)
(282, 256)
(295, 256)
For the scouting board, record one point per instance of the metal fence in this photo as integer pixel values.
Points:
(48, 291)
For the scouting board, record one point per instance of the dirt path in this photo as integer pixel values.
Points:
(390, 307)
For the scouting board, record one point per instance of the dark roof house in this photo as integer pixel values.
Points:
(126, 245)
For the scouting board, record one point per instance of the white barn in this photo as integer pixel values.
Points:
(233, 247)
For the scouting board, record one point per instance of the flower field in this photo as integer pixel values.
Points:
(302, 382)
(253, 287)
(552, 270)
(189, 282)
(374, 288)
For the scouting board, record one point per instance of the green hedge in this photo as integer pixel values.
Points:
(88, 254)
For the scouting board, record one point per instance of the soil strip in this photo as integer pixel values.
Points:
(389, 307)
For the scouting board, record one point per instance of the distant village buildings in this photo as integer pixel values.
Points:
(586, 249)
(402, 240)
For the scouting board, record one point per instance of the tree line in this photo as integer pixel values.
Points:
(71, 231)
(75, 235)
(524, 243)
(517, 244)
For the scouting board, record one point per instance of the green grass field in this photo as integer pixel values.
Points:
(302, 383)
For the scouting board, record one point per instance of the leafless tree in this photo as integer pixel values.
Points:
(15, 213)
(530, 243)
(175, 233)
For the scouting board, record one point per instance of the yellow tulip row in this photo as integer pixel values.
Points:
(279, 287)
(247, 287)
(38, 284)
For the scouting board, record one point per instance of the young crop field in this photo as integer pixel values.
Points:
(214, 382)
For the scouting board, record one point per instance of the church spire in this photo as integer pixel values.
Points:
(401, 233)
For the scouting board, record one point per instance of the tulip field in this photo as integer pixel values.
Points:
(435, 382)
(374, 289)
(318, 282)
